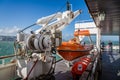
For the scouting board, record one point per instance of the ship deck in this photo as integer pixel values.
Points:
(110, 67)
(62, 72)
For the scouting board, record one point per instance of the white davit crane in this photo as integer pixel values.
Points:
(39, 45)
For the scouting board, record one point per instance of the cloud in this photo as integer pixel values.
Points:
(10, 31)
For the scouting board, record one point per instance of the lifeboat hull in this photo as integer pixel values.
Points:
(71, 55)
(71, 51)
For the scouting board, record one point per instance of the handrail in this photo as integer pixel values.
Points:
(8, 56)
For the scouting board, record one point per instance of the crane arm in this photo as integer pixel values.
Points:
(57, 22)
(73, 16)
(49, 34)
(44, 20)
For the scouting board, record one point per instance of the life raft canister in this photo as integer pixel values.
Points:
(86, 59)
(79, 67)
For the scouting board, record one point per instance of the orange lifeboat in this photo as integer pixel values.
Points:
(82, 33)
(71, 50)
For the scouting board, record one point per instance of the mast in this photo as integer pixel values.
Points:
(68, 6)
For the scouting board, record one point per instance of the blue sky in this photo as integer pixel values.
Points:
(18, 14)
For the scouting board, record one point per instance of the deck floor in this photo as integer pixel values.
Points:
(110, 68)
(62, 72)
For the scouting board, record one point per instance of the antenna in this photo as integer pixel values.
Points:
(68, 6)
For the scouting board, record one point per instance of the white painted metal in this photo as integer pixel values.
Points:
(84, 25)
(98, 38)
(24, 67)
(7, 71)
(45, 20)
(20, 37)
(57, 21)
(41, 43)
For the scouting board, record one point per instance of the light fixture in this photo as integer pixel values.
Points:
(102, 16)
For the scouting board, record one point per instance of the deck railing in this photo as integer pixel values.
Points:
(7, 71)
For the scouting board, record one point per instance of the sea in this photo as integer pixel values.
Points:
(7, 48)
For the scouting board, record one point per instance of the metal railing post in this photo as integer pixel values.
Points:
(3, 61)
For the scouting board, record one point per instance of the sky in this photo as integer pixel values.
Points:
(18, 14)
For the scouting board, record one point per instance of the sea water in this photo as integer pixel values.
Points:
(7, 48)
